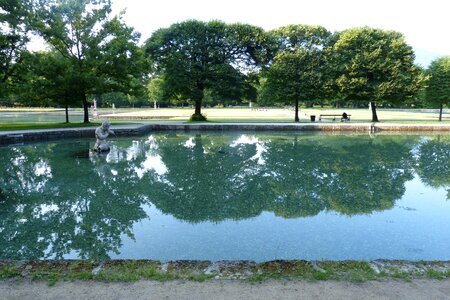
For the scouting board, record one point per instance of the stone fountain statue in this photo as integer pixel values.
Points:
(101, 133)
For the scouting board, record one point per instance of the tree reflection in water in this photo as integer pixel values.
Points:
(433, 162)
(59, 199)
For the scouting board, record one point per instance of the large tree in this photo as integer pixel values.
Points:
(438, 90)
(46, 78)
(297, 71)
(101, 49)
(195, 57)
(375, 65)
(294, 76)
(14, 21)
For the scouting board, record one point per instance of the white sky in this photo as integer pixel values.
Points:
(425, 24)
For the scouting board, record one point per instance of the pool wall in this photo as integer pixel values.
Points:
(14, 137)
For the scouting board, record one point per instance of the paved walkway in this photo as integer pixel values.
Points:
(259, 125)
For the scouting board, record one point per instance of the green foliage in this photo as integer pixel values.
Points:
(14, 27)
(438, 90)
(297, 71)
(294, 76)
(100, 51)
(195, 56)
(155, 90)
(46, 78)
(197, 118)
(211, 63)
(299, 36)
(108, 99)
(375, 65)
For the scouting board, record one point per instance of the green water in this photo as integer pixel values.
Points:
(228, 196)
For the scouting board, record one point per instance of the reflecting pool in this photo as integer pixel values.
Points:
(234, 195)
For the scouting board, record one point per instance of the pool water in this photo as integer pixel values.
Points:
(214, 196)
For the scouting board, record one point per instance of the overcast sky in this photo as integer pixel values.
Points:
(425, 23)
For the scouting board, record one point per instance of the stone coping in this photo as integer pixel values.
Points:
(21, 136)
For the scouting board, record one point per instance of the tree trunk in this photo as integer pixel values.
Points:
(67, 112)
(440, 112)
(296, 110)
(374, 112)
(198, 107)
(200, 95)
(86, 109)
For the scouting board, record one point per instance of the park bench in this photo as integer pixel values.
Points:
(334, 117)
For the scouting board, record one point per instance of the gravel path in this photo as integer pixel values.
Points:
(227, 289)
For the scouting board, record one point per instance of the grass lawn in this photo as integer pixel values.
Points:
(16, 118)
(277, 115)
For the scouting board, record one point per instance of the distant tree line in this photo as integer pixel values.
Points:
(93, 55)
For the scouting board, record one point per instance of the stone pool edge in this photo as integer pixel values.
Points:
(198, 270)
(21, 136)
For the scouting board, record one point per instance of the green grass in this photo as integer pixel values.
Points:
(239, 115)
(9, 272)
(133, 270)
(433, 274)
(232, 115)
(353, 271)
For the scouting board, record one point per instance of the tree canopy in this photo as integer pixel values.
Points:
(294, 76)
(375, 65)
(101, 50)
(204, 63)
(297, 71)
(15, 16)
(47, 78)
(195, 56)
(438, 89)
(298, 36)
